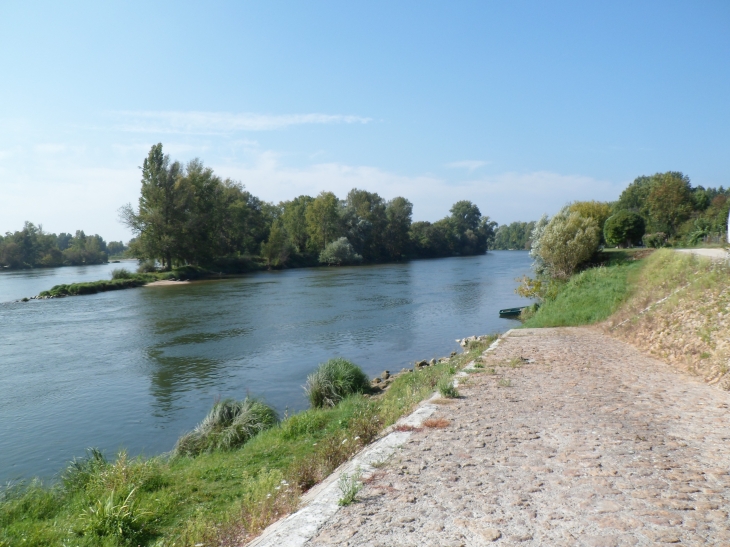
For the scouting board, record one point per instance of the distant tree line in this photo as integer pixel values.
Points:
(32, 247)
(186, 214)
(516, 236)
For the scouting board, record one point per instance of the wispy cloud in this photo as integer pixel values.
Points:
(470, 165)
(212, 123)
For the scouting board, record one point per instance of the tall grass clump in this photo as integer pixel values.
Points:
(122, 273)
(446, 388)
(333, 381)
(114, 516)
(228, 425)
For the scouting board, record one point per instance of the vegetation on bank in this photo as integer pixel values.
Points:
(188, 215)
(589, 296)
(32, 247)
(679, 311)
(223, 495)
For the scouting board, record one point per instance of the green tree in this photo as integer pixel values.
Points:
(567, 241)
(157, 219)
(294, 221)
(669, 202)
(323, 220)
(277, 249)
(398, 212)
(338, 253)
(624, 229)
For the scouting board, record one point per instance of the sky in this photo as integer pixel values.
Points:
(520, 107)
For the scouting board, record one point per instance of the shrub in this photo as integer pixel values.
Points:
(121, 273)
(81, 470)
(625, 228)
(446, 388)
(339, 252)
(147, 266)
(112, 517)
(228, 425)
(656, 240)
(333, 381)
(568, 240)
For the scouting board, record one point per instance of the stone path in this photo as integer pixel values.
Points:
(591, 444)
(715, 254)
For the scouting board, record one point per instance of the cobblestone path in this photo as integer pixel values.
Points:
(591, 443)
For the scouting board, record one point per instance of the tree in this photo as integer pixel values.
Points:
(624, 229)
(633, 198)
(669, 202)
(364, 221)
(568, 240)
(597, 210)
(338, 253)
(156, 222)
(277, 249)
(398, 212)
(323, 220)
(516, 235)
(294, 221)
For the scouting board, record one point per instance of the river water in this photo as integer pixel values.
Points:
(134, 369)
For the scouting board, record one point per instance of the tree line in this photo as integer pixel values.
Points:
(32, 247)
(187, 214)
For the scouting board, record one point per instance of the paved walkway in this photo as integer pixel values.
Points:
(716, 254)
(591, 444)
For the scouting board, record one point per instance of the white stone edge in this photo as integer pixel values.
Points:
(321, 502)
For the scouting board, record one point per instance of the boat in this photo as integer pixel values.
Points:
(511, 313)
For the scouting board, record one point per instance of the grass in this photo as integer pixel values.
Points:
(446, 388)
(124, 279)
(333, 381)
(588, 297)
(228, 425)
(219, 497)
(349, 486)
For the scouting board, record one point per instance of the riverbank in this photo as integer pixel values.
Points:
(566, 437)
(215, 497)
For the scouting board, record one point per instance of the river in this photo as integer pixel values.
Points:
(134, 369)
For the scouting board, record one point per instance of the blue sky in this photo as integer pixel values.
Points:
(518, 106)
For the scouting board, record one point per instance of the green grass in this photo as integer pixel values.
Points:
(333, 381)
(588, 297)
(216, 496)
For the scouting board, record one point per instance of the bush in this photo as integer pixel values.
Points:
(446, 388)
(228, 425)
(333, 381)
(122, 273)
(624, 229)
(339, 252)
(147, 266)
(568, 240)
(114, 517)
(656, 240)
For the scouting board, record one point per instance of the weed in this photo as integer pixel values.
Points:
(446, 388)
(111, 517)
(436, 423)
(504, 382)
(491, 371)
(478, 364)
(349, 485)
(333, 381)
(228, 425)
(407, 428)
(704, 355)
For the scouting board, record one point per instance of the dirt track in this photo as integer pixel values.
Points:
(592, 444)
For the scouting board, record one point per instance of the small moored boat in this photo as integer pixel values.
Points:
(511, 313)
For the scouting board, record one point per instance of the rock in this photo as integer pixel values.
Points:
(385, 375)
(421, 363)
(432, 362)
(376, 381)
(453, 354)
(490, 534)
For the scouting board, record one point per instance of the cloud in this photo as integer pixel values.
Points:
(213, 123)
(470, 165)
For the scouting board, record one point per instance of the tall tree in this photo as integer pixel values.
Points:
(323, 220)
(398, 212)
(294, 221)
(157, 220)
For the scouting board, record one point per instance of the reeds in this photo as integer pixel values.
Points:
(228, 425)
(333, 381)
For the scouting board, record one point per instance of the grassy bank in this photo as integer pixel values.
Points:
(591, 295)
(679, 311)
(216, 498)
